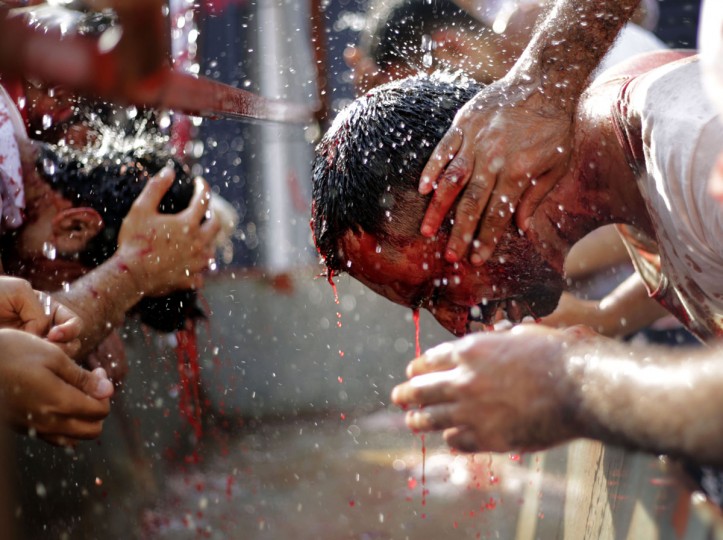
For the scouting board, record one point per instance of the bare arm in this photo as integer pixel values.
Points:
(624, 311)
(157, 253)
(532, 388)
(517, 133)
(661, 400)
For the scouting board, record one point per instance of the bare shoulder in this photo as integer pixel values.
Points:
(644, 63)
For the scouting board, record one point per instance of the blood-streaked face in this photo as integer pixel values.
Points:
(516, 282)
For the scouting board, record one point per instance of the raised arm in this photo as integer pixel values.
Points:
(532, 388)
(157, 253)
(510, 144)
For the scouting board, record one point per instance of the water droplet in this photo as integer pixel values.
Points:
(47, 121)
(49, 251)
(48, 166)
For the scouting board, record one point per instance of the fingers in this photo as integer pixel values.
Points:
(68, 431)
(469, 210)
(534, 195)
(437, 359)
(433, 418)
(24, 308)
(199, 204)
(462, 439)
(155, 190)
(67, 325)
(427, 389)
(449, 170)
(94, 384)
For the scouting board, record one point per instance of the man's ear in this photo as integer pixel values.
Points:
(73, 228)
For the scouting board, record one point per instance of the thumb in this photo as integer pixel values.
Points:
(534, 195)
(93, 383)
(156, 188)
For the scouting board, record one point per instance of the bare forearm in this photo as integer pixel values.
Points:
(629, 308)
(101, 299)
(569, 44)
(659, 400)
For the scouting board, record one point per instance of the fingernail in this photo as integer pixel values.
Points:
(476, 259)
(100, 372)
(427, 230)
(484, 254)
(104, 388)
(425, 185)
(451, 256)
(526, 224)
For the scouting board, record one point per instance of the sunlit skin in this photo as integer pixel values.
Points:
(41, 387)
(598, 189)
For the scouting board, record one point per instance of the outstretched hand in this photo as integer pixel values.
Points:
(44, 392)
(497, 391)
(506, 149)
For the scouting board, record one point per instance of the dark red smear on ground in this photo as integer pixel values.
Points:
(417, 353)
(190, 377)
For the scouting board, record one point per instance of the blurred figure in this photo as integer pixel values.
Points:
(53, 112)
(710, 43)
(405, 37)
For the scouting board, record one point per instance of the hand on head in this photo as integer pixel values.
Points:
(23, 308)
(167, 252)
(505, 151)
(44, 392)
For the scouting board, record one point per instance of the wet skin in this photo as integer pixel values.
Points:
(517, 282)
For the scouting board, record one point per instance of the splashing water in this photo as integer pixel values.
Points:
(427, 46)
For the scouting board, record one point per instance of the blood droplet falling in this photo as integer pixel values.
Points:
(418, 352)
(189, 373)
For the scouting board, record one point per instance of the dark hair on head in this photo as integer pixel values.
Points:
(370, 160)
(395, 29)
(110, 185)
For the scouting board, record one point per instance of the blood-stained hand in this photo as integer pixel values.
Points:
(499, 391)
(167, 252)
(506, 149)
(23, 308)
(44, 392)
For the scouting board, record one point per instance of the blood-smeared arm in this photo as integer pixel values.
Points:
(157, 253)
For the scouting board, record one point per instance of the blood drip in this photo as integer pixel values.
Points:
(417, 353)
(330, 279)
(190, 377)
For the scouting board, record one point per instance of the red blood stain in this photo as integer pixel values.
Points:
(352, 503)
(229, 486)
(190, 375)
(418, 352)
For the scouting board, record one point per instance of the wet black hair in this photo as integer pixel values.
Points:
(110, 187)
(370, 161)
(395, 28)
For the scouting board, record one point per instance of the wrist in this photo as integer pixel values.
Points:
(129, 281)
